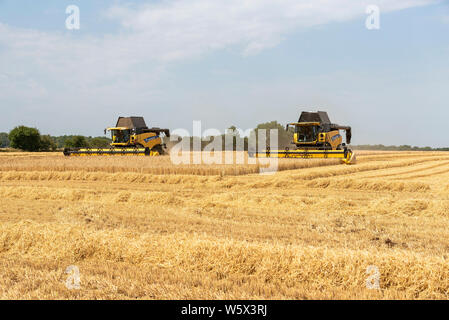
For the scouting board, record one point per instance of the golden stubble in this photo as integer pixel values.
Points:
(144, 228)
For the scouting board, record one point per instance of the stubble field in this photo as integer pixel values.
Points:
(143, 228)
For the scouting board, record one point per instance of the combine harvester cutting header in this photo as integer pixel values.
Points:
(315, 137)
(130, 137)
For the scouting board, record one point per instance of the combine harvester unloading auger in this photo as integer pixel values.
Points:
(314, 137)
(130, 137)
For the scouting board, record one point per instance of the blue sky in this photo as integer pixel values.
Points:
(228, 63)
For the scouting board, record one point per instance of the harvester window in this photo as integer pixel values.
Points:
(120, 136)
(306, 133)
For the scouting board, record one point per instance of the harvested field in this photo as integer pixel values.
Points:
(144, 228)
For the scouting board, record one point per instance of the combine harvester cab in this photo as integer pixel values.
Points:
(130, 137)
(315, 137)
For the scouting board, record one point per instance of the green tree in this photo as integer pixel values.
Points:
(284, 137)
(99, 142)
(4, 141)
(24, 138)
(76, 142)
(47, 143)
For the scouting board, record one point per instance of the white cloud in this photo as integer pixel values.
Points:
(78, 71)
(183, 28)
(168, 31)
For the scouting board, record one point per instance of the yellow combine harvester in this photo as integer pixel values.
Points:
(130, 137)
(315, 137)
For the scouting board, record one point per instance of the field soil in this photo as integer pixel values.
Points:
(144, 228)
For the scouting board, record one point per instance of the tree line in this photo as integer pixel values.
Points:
(229, 139)
(30, 139)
